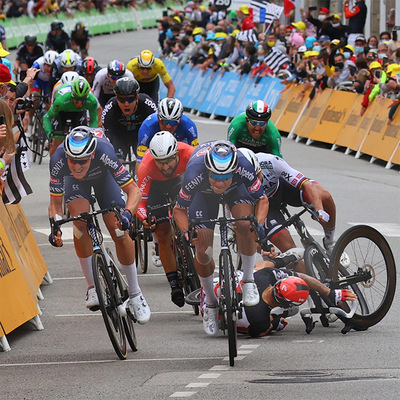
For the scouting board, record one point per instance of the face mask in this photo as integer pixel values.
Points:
(382, 55)
(346, 55)
(372, 47)
(359, 49)
(271, 44)
(182, 34)
(317, 48)
(260, 58)
(322, 17)
(336, 25)
(202, 52)
(339, 65)
(169, 34)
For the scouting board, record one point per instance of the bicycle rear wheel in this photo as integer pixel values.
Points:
(122, 292)
(229, 303)
(362, 249)
(109, 301)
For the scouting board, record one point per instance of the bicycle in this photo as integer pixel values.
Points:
(111, 286)
(38, 136)
(187, 273)
(229, 300)
(361, 260)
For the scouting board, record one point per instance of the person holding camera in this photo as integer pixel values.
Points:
(340, 68)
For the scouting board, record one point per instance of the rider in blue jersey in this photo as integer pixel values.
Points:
(216, 169)
(44, 64)
(82, 163)
(169, 117)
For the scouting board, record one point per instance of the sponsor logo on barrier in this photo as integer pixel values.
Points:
(5, 261)
(333, 115)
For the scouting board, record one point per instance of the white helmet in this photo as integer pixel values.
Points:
(68, 77)
(50, 56)
(170, 108)
(80, 143)
(251, 157)
(163, 145)
(221, 157)
(68, 58)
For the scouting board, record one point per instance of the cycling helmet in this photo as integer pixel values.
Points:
(170, 108)
(30, 40)
(292, 290)
(68, 58)
(249, 154)
(80, 143)
(116, 68)
(221, 157)
(146, 59)
(50, 56)
(163, 145)
(79, 26)
(89, 65)
(258, 110)
(56, 25)
(126, 86)
(68, 77)
(80, 88)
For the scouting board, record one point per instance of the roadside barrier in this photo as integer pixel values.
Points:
(332, 117)
(22, 271)
(113, 20)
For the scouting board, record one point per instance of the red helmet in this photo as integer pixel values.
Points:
(89, 65)
(292, 290)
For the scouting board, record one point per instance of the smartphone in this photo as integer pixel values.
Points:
(312, 8)
(2, 120)
(377, 74)
(394, 35)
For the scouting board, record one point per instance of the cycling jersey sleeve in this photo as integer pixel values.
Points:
(145, 135)
(233, 133)
(58, 169)
(91, 105)
(144, 183)
(51, 113)
(275, 139)
(163, 72)
(190, 131)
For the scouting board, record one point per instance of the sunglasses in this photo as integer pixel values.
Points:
(253, 122)
(82, 99)
(80, 162)
(144, 68)
(167, 161)
(169, 122)
(220, 178)
(114, 78)
(129, 99)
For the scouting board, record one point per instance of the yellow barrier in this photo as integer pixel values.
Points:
(334, 117)
(22, 269)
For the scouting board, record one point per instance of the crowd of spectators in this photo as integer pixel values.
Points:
(318, 51)
(32, 8)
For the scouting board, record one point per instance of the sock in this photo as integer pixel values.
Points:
(329, 236)
(86, 265)
(131, 276)
(208, 286)
(248, 263)
(172, 279)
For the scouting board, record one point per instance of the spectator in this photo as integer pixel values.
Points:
(335, 29)
(7, 144)
(357, 17)
(4, 60)
(360, 46)
(245, 18)
(341, 72)
(3, 37)
(320, 23)
(372, 42)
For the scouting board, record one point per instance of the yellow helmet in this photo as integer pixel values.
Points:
(374, 65)
(146, 59)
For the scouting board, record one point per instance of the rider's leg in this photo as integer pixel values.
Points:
(330, 208)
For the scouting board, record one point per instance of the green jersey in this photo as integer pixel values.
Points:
(269, 142)
(63, 103)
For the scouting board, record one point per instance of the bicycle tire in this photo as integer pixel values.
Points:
(108, 304)
(367, 250)
(228, 296)
(35, 144)
(123, 294)
(139, 236)
(316, 264)
(190, 278)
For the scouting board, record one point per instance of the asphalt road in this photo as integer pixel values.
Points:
(72, 357)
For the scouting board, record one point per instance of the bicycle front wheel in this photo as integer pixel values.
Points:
(362, 249)
(109, 301)
(230, 304)
(140, 237)
(122, 292)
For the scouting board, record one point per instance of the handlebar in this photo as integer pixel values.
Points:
(86, 216)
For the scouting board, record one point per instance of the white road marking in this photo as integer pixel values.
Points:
(209, 376)
(182, 394)
(95, 314)
(249, 346)
(197, 384)
(220, 368)
(81, 277)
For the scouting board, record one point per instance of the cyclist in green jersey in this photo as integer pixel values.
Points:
(72, 103)
(253, 130)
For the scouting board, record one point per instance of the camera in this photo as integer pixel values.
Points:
(312, 8)
(25, 104)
